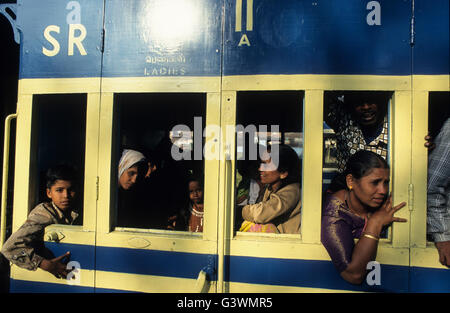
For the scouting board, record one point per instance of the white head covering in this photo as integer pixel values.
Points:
(128, 159)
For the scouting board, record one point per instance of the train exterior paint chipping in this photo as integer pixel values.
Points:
(91, 59)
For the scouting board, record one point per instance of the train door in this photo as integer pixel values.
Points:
(266, 261)
(272, 78)
(151, 237)
(57, 122)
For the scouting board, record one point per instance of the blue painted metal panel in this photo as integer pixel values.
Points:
(432, 37)
(153, 262)
(308, 273)
(162, 38)
(429, 280)
(318, 37)
(35, 19)
(184, 38)
(83, 254)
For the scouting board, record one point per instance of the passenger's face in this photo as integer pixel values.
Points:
(367, 113)
(62, 193)
(129, 177)
(269, 172)
(372, 189)
(195, 192)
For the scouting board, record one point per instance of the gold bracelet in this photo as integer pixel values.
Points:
(371, 237)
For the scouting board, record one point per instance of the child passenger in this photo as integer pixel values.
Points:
(25, 248)
(191, 217)
(279, 210)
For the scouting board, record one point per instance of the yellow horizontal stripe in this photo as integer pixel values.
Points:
(321, 82)
(71, 234)
(161, 84)
(431, 82)
(426, 257)
(163, 240)
(238, 82)
(264, 247)
(86, 277)
(59, 85)
(147, 283)
(257, 288)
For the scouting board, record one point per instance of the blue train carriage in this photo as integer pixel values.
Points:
(98, 76)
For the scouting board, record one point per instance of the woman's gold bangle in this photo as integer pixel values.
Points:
(371, 237)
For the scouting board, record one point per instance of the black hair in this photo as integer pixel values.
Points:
(288, 161)
(192, 178)
(61, 172)
(359, 165)
(353, 98)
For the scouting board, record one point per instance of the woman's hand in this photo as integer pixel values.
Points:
(366, 248)
(385, 215)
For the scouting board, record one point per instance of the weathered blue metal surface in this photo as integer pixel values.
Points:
(432, 36)
(319, 37)
(231, 37)
(162, 38)
(48, 38)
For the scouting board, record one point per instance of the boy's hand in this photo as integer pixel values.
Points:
(55, 266)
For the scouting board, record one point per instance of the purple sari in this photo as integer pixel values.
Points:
(340, 227)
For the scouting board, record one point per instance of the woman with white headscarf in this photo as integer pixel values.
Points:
(130, 167)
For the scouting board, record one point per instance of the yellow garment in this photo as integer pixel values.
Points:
(258, 228)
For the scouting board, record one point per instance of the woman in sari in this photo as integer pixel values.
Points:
(357, 206)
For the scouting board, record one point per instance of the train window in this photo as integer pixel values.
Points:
(59, 132)
(165, 191)
(353, 120)
(265, 120)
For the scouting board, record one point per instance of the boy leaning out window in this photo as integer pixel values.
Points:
(25, 248)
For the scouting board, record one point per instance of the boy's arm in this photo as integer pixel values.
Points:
(20, 248)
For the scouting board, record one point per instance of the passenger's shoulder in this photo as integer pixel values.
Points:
(42, 213)
(289, 192)
(291, 188)
(333, 205)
